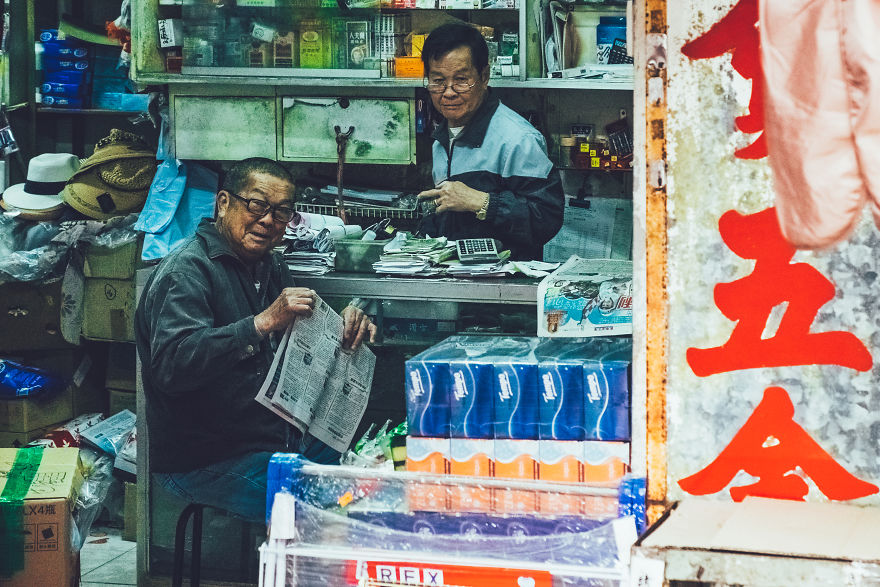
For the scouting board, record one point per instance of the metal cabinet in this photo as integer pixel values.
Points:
(224, 127)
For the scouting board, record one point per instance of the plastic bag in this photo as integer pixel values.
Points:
(97, 481)
(42, 258)
(18, 380)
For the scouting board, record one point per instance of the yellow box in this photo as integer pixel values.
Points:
(411, 67)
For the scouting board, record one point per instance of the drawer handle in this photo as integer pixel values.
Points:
(18, 312)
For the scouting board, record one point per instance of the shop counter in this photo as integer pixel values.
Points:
(494, 290)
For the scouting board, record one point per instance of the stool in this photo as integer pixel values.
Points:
(195, 511)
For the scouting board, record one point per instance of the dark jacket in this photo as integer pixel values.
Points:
(203, 361)
(499, 152)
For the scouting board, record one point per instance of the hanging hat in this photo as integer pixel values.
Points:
(115, 179)
(39, 198)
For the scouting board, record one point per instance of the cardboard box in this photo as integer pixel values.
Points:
(560, 461)
(409, 67)
(121, 367)
(108, 309)
(43, 551)
(16, 439)
(357, 43)
(113, 262)
(760, 542)
(82, 394)
(130, 517)
(471, 457)
(515, 459)
(121, 399)
(30, 316)
(428, 455)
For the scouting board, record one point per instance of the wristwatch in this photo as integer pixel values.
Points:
(481, 213)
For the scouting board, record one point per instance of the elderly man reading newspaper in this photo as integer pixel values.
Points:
(207, 329)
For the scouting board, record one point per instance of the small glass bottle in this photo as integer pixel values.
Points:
(567, 145)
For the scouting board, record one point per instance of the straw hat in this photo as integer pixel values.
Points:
(115, 179)
(39, 197)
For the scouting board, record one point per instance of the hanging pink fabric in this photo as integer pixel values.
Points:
(821, 62)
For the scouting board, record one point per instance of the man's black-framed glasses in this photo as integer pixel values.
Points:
(459, 86)
(259, 208)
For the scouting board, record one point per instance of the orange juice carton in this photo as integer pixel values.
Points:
(515, 459)
(560, 461)
(428, 455)
(471, 457)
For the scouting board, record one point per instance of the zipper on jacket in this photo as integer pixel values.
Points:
(449, 158)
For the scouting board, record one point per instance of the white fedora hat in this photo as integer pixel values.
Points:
(41, 194)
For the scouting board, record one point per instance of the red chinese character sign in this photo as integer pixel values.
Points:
(750, 300)
(805, 324)
(771, 446)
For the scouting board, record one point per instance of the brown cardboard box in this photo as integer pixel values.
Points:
(82, 395)
(16, 439)
(108, 309)
(121, 399)
(121, 367)
(30, 316)
(49, 557)
(130, 517)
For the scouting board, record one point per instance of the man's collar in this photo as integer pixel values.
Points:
(474, 131)
(214, 241)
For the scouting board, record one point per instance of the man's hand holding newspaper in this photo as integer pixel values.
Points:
(316, 384)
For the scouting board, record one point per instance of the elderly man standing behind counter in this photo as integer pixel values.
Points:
(206, 328)
(491, 172)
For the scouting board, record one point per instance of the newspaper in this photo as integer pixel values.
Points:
(315, 384)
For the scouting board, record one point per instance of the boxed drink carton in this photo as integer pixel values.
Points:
(428, 455)
(472, 457)
(515, 459)
(37, 547)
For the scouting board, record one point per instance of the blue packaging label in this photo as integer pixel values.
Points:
(606, 405)
(471, 396)
(516, 401)
(59, 89)
(65, 50)
(62, 101)
(562, 401)
(63, 64)
(427, 398)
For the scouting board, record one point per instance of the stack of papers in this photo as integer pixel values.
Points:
(405, 255)
(310, 262)
(500, 269)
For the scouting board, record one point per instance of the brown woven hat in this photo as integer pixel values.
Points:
(115, 179)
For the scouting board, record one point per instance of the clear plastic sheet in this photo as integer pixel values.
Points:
(327, 522)
(97, 481)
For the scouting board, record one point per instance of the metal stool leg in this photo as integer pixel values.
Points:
(193, 510)
(196, 561)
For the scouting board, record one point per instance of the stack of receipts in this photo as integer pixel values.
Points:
(315, 384)
(309, 242)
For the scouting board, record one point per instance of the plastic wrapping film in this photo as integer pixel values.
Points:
(338, 525)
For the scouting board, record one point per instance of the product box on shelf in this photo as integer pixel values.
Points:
(586, 297)
(348, 526)
(39, 541)
(472, 457)
(515, 459)
(516, 392)
(428, 455)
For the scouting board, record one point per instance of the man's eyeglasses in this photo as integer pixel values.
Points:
(458, 86)
(259, 208)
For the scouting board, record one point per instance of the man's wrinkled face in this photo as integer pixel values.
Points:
(457, 68)
(250, 235)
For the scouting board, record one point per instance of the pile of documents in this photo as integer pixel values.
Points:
(308, 242)
(499, 269)
(405, 255)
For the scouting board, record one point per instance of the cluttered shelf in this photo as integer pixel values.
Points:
(219, 79)
(518, 290)
(87, 111)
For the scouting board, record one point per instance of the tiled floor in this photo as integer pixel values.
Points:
(107, 559)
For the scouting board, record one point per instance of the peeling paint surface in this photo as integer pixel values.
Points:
(225, 128)
(838, 407)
